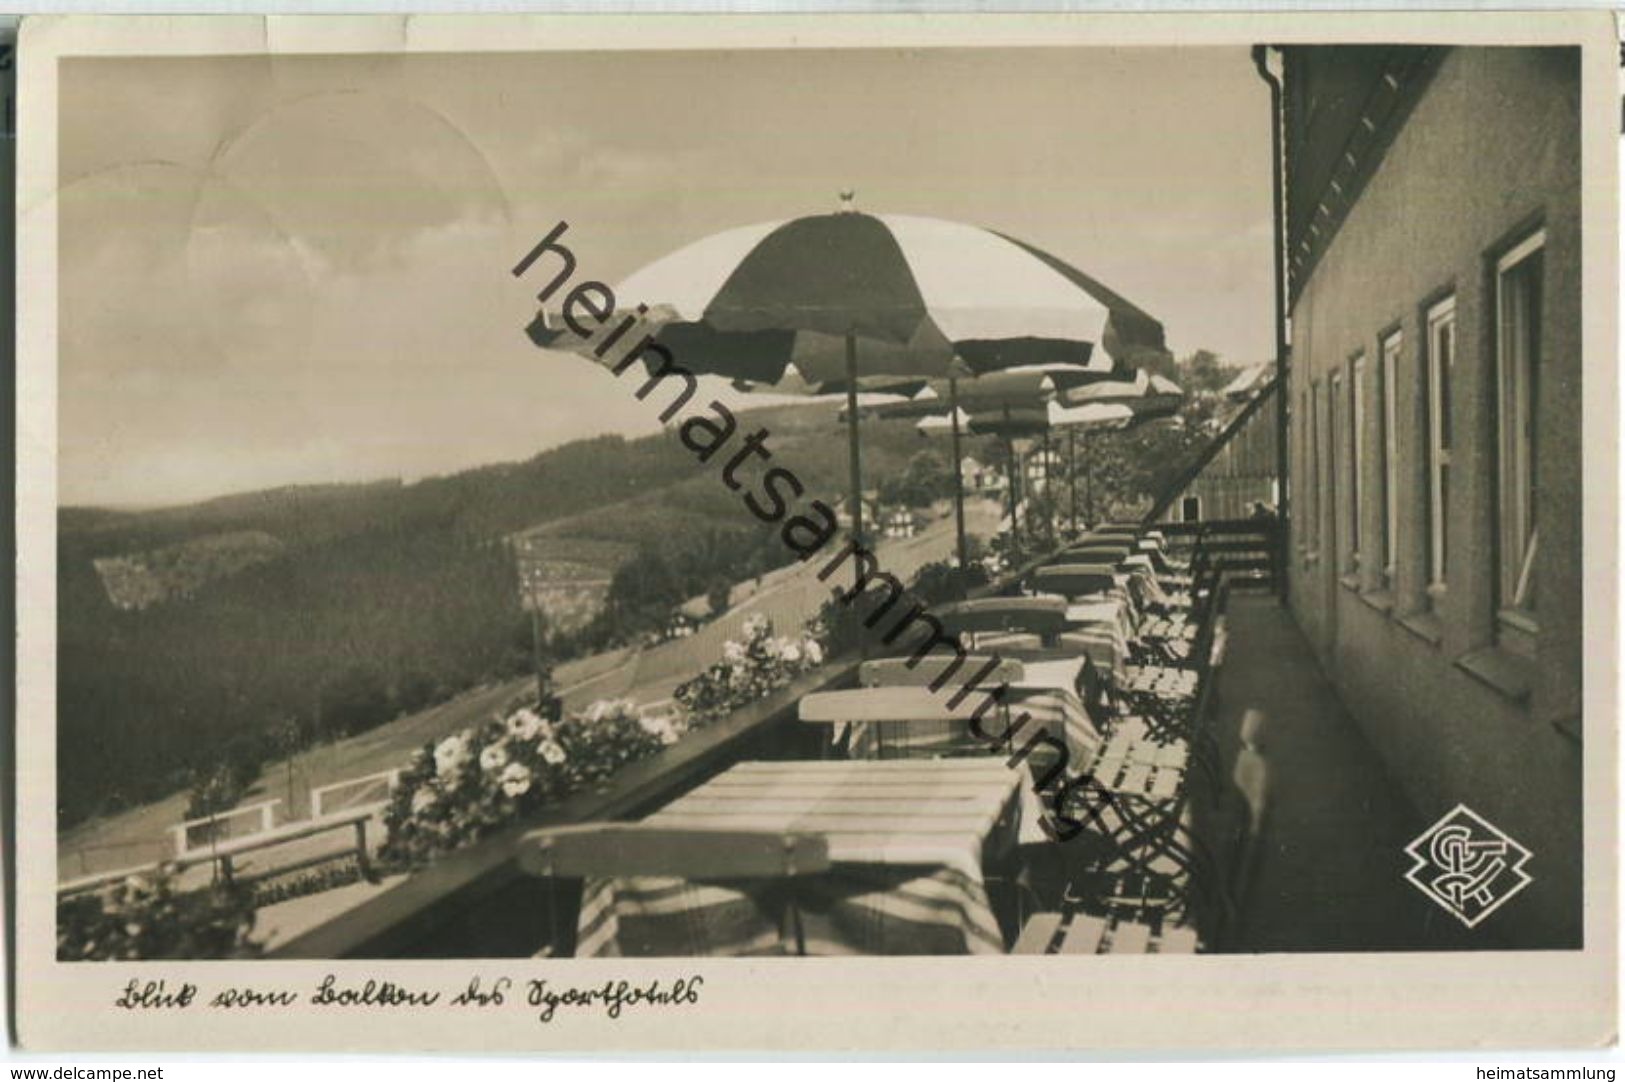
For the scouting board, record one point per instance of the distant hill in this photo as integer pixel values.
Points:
(188, 634)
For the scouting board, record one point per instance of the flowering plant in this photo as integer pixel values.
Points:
(468, 784)
(473, 781)
(751, 668)
(147, 916)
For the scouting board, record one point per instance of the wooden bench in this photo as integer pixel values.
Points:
(225, 854)
(1081, 933)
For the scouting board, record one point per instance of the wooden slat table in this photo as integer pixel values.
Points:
(888, 811)
(918, 723)
(1101, 628)
(908, 840)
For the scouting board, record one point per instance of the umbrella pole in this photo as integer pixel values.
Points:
(959, 480)
(1088, 487)
(1049, 491)
(855, 475)
(1072, 477)
(1010, 483)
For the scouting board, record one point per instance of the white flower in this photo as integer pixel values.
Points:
(515, 779)
(661, 726)
(815, 652)
(494, 757)
(608, 708)
(790, 652)
(552, 752)
(733, 652)
(424, 799)
(526, 724)
(450, 754)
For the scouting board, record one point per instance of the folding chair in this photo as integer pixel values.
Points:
(936, 670)
(1234, 831)
(1105, 552)
(1074, 580)
(627, 850)
(1140, 861)
(1082, 933)
(1005, 624)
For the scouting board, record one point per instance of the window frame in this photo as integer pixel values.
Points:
(1334, 489)
(1517, 533)
(1356, 447)
(1389, 349)
(1316, 486)
(1440, 317)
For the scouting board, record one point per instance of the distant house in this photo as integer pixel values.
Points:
(1040, 467)
(680, 625)
(568, 593)
(1243, 473)
(1248, 382)
(871, 511)
(900, 522)
(979, 477)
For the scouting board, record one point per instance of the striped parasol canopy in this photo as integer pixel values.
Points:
(1031, 421)
(851, 302)
(774, 304)
(1014, 410)
(1144, 391)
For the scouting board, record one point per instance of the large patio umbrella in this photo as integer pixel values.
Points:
(832, 300)
(1019, 413)
(1003, 402)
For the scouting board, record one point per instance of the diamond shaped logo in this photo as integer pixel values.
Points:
(1467, 865)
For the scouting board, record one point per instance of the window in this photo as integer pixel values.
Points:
(1304, 481)
(1190, 509)
(1517, 350)
(1441, 357)
(1316, 482)
(1335, 411)
(1356, 457)
(1388, 448)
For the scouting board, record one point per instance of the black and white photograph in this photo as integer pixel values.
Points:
(681, 502)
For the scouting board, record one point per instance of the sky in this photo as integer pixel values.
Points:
(281, 270)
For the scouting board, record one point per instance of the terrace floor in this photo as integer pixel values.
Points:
(1330, 873)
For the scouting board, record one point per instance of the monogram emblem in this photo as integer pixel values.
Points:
(1467, 865)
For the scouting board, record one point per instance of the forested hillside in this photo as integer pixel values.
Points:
(361, 602)
(378, 599)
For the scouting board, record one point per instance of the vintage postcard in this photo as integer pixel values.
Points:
(933, 532)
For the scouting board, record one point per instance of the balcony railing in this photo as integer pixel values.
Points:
(1246, 552)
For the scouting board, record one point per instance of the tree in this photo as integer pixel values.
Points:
(717, 596)
(925, 479)
(1204, 373)
(643, 591)
(355, 701)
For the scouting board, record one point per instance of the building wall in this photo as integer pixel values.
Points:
(1491, 149)
(1240, 476)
